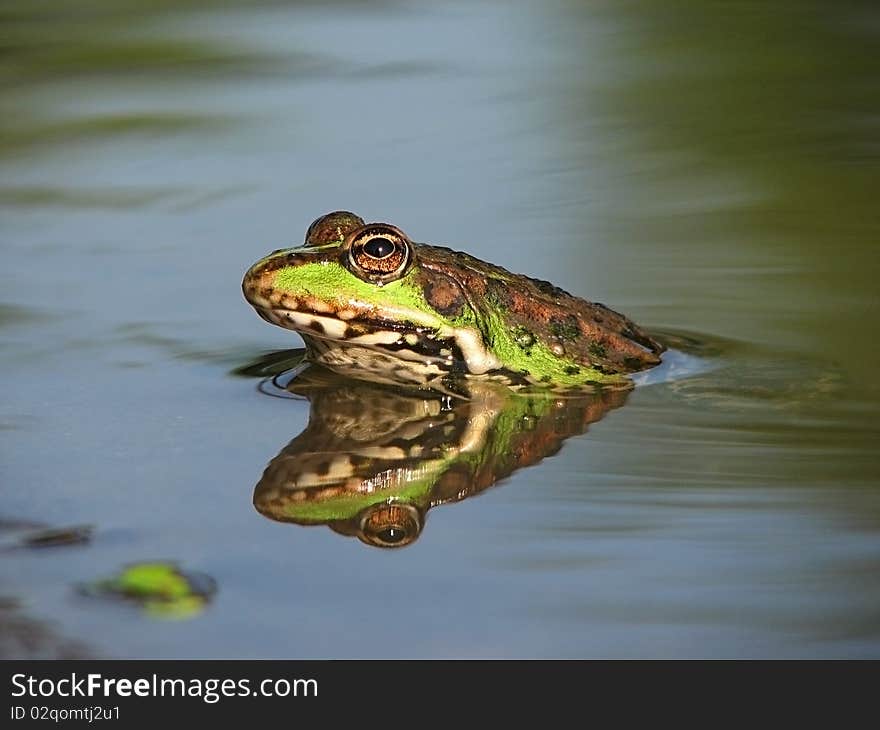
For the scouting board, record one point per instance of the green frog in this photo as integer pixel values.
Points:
(372, 304)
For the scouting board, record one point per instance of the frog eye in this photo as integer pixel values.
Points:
(390, 525)
(378, 252)
(332, 227)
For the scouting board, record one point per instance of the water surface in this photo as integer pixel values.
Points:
(710, 173)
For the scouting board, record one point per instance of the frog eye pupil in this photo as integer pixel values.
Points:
(392, 535)
(378, 248)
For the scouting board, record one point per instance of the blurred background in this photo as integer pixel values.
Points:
(708, 168)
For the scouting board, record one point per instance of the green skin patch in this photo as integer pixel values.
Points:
(538, 360)
(349, 504)
(333, 284)
(403, 302)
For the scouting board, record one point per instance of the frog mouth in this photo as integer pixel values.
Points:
(366, 332)
(403, 341)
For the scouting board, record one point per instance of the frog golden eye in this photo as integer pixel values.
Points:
(390, 525)
(378, 252)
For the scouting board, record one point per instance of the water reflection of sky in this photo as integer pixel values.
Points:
(623, 153)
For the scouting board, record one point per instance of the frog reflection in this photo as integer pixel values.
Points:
(374, 459)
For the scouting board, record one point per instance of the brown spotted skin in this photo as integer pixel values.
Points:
(332, 227)
(588, 333)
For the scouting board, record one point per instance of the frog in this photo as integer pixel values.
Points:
(372, 304)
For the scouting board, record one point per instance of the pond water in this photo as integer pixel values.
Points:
(711, 173)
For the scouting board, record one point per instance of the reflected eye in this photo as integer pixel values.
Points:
(390, 525)
(378, 252)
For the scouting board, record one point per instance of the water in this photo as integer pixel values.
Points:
(711, 174)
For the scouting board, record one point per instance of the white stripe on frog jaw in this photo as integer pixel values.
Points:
(477, 357)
